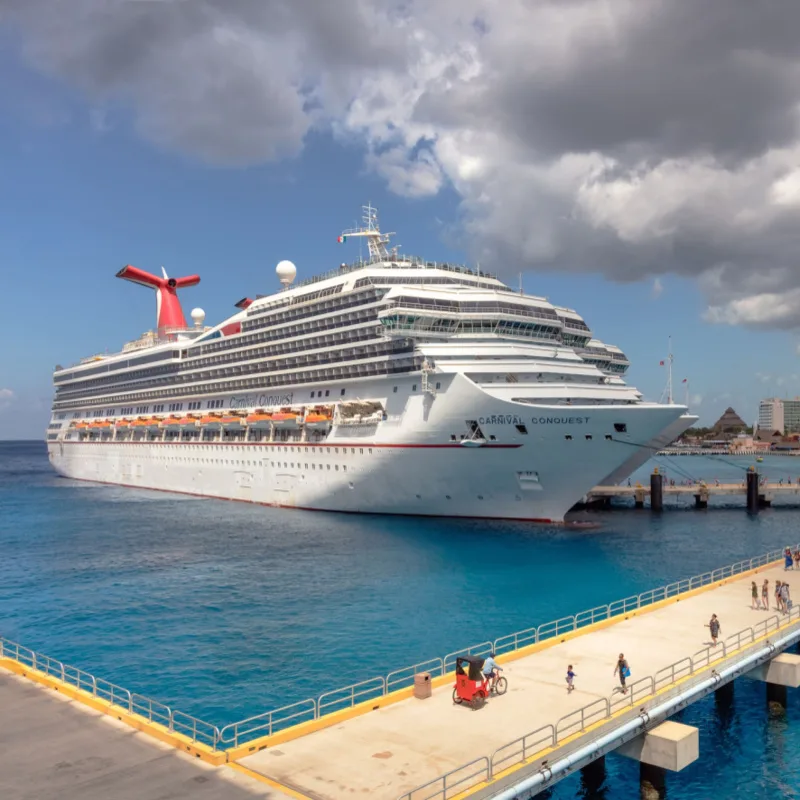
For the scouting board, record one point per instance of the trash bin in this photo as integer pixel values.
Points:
(422, 685)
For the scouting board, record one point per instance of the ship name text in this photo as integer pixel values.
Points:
(247, 400)
(513, 419)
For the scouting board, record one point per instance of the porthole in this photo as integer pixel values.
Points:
(588, 437)
(609, 437)
(568, 437)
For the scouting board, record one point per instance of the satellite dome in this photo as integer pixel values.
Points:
(198, 316)
(286, 272)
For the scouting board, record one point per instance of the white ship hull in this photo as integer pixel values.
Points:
(407, 464)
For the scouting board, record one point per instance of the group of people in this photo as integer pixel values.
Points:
(791, 560)
(783, 600)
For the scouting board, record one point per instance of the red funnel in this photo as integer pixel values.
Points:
(168, 307)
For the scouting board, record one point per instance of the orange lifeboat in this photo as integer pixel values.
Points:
(211, 421)
(102, 424)
(171, 422)
(82, 426)
(187, 422)
(232, 422)
(318, 418)
(122, 423)
(285, 419)
(259, 420)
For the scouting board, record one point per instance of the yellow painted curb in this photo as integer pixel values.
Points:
(264, 779)
(154, 729)
(337, 717)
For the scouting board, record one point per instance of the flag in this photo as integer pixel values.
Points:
(660, 363)
(685, 380)
(341, 239)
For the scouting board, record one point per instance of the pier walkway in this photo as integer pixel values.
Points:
(387, 753)
(53, 748)
(375, 739)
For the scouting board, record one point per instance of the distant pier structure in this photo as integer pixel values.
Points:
(756, 493)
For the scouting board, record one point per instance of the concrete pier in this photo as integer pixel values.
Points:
(754, 494)
(52, 748)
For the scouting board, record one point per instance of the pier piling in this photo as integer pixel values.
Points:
(752, 492)
(656, 491)
(669, 746)
(593, 776)
(724, 695)
(652, 782)
(776, 698)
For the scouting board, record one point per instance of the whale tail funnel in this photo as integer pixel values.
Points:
(169, 313)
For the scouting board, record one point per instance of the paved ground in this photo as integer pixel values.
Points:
(54, 748)
(392, 750)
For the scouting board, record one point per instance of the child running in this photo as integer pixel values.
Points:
(570, 679)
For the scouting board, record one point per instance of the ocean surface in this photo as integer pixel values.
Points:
(224, 610)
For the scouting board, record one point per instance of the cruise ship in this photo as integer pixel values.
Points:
(392, 385)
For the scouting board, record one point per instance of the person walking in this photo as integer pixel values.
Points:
(786, 601)
(713, 626)
(570, 679)
(624, 672)
(765, 594)
(787, 559)
(778, 601)
(754, 596)
(797, 559)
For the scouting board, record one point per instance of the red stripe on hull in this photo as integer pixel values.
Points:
(312, 444)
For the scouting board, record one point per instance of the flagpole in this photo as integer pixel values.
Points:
(669, 364)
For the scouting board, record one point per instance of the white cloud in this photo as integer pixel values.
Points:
(578, 134)
(6, 397)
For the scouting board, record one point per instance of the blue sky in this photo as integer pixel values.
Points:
(84, 192)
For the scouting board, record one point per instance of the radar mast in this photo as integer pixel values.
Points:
(376, 241)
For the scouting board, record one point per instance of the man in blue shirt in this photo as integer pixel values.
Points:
(490, 669)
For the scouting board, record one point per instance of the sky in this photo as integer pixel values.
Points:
(637, 160)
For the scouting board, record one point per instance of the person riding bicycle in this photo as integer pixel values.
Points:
(490, 669)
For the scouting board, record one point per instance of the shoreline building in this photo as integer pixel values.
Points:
(776, 414)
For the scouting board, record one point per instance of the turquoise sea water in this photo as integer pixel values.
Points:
(225, 610)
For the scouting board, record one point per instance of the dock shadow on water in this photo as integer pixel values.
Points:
(224, 610)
